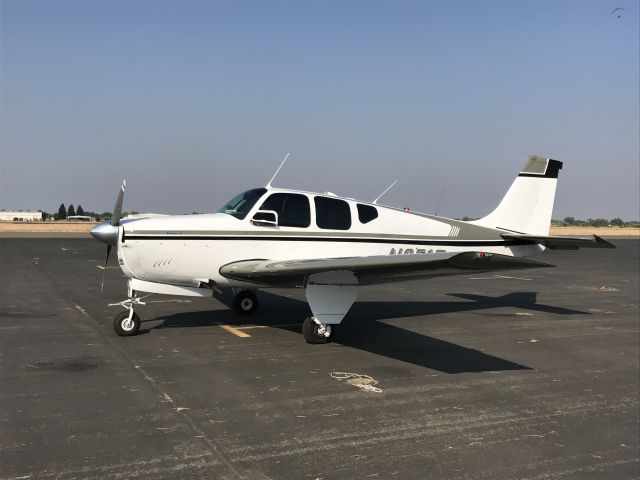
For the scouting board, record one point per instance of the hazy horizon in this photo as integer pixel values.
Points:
(192, 102)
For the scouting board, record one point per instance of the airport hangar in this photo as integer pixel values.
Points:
(20, 216)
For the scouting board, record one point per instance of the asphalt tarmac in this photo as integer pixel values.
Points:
(525, 375)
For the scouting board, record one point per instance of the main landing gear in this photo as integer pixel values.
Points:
(315, 332)
(330, 296)
(245, 302)
(329, 304)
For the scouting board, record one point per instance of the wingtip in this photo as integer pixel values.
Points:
(603, 243)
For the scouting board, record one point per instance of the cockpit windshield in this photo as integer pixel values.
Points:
(240, 205)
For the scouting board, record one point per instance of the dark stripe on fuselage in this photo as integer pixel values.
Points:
(448, 243)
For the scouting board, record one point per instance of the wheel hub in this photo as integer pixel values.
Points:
(127, 324)
(323, 330)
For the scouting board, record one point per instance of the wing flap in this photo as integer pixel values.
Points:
(562, 242)
(373, 269)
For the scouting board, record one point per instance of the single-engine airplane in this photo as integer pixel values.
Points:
(329, 245)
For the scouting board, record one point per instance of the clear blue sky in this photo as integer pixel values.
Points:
(193, 101)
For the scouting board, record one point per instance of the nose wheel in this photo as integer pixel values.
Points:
(315, 332)
(126, 324)
(245, 303)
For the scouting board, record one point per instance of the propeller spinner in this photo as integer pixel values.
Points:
(107, 232)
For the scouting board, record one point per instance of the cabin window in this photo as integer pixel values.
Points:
(366, 213)
(292, 208)
(240, 205)
(332, 214)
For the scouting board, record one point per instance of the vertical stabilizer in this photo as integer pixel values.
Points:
(528, 204)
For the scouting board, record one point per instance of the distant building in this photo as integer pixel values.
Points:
(80, 218)
(18, 216)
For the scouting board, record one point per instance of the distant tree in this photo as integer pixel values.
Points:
(569, 220)
(468, 219)
(98, 219)
(70, 211)
(80, 211)
(617, 222)
(600, 222)
(62, 212)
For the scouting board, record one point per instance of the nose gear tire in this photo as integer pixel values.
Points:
(125, 327)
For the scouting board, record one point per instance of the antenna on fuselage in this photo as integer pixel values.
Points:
(275, 174)
(444, 189)
(382, 194)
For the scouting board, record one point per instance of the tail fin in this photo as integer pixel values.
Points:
(528, 204)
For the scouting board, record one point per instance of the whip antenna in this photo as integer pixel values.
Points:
(444, 189)
(382, 194)
(274, 175)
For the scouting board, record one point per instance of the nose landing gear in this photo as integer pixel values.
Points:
(127, 323)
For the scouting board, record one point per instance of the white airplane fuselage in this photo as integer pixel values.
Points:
(190, 249)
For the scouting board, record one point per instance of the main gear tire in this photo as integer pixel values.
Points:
(245, 303)
(314, 333)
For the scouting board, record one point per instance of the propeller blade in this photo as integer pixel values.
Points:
(106, 260)
(117, 210)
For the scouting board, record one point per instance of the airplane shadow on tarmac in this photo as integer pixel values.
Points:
(363, 330)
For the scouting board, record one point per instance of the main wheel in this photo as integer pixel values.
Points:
(314, 333)
(125, 327)
(245, 303)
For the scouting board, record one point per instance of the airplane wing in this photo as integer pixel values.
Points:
(562, 242)
(373, 269)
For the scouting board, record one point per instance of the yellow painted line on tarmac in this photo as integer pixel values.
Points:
(238, 331)
(235, 331)
(102, 268)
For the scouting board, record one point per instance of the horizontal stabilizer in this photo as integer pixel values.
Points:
(373, 269)
(562, 242)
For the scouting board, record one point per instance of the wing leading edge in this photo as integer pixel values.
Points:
(373, 269)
